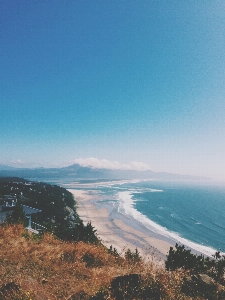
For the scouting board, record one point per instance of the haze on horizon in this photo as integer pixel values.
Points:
(116, 81)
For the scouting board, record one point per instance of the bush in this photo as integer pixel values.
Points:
(113, 251)
(92, 261)
(132, 257)
(182, 258)
(81, 232)
(196, 264)
(152, 291)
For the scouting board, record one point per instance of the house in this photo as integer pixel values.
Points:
(29, 211)
(8, 204)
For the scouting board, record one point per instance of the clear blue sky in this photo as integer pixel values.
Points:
(118, 80)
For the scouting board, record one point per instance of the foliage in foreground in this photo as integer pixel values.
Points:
(48, 268)
(183, 258)
(204, 277)
(76, 266)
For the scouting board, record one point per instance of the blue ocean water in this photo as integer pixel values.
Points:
(190, 212)
(195, 212)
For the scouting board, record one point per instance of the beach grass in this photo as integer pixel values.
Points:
(49, 268)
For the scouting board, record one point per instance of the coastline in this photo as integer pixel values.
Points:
(120, 224)
(117, 229)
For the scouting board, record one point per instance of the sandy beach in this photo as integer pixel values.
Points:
(118, 230)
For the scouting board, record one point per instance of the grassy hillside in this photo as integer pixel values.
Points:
(71, 263)
(40, 268)
(48, 268)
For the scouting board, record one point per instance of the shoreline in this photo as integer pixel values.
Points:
(119, 224)
(117, 229)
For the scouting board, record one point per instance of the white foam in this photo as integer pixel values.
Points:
(126, 206)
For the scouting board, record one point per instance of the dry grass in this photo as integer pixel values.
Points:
(56, 268)
(51, 269)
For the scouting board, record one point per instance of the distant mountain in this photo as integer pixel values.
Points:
(78, 172)
(5, 167)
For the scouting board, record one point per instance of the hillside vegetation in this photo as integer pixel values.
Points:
(44, 267)
(58, 208)
(49, 268)
(51, 199)
(70, 262)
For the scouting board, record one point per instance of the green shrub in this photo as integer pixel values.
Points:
(132, 257)
(113, 251)
(183, 258)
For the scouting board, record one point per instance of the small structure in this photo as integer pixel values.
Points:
(29, 211)
(9, 204)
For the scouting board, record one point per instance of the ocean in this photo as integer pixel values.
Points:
(192, 214)
(188, 213)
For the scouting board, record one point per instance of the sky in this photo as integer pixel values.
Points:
(114, 83)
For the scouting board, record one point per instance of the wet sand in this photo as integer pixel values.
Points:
(118, 230)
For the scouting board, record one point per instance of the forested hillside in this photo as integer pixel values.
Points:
(58, 208)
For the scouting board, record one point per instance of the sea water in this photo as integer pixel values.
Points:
(189, 213)
(192, 214)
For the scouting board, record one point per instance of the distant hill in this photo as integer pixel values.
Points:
(78, 172)
(5, 167)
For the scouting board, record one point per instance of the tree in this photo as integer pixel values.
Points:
(85, 233)
(133, 257)
(18, 216)
(183, 258)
